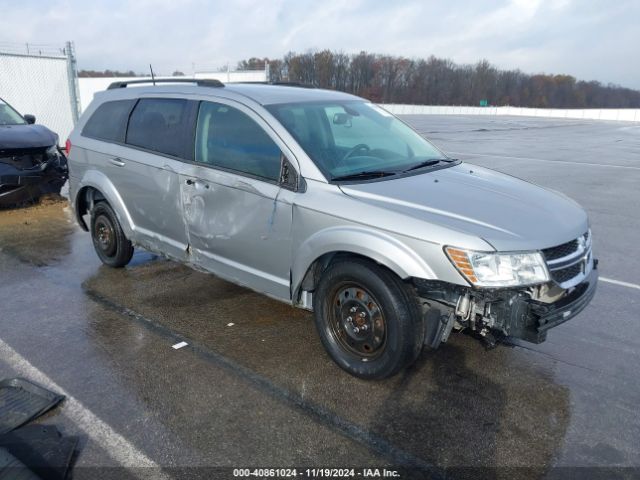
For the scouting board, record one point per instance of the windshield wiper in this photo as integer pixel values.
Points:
(426, 163)
(364, 175)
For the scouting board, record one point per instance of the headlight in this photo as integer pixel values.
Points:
(53, 151)
(492, 269)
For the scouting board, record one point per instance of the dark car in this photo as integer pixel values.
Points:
(31, 163)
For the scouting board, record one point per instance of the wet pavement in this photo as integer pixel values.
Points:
(254, 387)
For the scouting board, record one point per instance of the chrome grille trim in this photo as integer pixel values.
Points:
(581, 255)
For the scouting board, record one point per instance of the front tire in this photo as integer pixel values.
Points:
(109, 241)
(370, 321)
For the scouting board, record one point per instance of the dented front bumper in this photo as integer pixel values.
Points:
(507, 312)
(531, 320)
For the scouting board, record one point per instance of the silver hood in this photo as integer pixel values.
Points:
(508, 213)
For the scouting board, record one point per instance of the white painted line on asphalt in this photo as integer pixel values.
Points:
(116, 446)
(619, 282)
(179, 345)
(530, 159)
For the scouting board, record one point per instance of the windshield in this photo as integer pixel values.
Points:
(8, 116)
(353, 138)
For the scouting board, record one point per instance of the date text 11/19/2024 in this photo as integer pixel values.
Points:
(315, 473)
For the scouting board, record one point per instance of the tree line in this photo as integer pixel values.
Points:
(438, 81)
(118, 73)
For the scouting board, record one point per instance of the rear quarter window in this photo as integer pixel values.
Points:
(109, 121)
(161, 125)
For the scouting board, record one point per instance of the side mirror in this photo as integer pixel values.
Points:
(30, 119)
(288, 175)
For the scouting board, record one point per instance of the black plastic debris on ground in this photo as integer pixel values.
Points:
(42, 448)
(13, 469)
(21, 401)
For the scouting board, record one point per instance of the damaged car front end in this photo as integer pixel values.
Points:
(31, 163)
(492, 308)
(28, 173)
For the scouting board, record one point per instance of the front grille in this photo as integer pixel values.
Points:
(568, 273)
(560, 251)
(568, 263)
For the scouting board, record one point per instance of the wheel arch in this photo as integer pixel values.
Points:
(333, 244)
(95, 186)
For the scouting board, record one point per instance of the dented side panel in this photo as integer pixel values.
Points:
(239, 228)
(150, 186)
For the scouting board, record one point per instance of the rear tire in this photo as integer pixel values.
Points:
(109, 240)
(370, 321)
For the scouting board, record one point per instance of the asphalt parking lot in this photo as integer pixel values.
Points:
(254, 387)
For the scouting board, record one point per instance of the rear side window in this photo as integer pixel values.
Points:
(109, 121)
(161, 125)
(228, 138)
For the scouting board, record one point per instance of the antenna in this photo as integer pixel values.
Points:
(153, 78)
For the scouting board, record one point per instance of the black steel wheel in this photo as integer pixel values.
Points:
(104, 235)
(356, 320)
(369, 320)
(109, 241)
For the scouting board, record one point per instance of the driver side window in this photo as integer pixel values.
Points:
(230, 139)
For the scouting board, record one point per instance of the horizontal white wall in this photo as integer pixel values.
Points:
(620, 114)
(234, 76)
(89, 86)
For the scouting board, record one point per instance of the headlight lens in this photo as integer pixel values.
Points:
(490, 269)
(53, 151)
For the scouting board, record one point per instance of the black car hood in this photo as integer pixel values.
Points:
(26, 136)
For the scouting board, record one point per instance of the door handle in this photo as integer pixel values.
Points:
(196, 183)
(117, 162)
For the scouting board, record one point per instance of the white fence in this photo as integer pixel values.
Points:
(89, 86)
(42, 85)
(235, 76)
(618, 114)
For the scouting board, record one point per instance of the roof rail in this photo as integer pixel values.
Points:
(200, 82)
(282, 84)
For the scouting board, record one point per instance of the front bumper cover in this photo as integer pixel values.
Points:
(530, 319)
(507, 312)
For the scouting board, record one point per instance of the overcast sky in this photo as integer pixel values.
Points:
(588, 39)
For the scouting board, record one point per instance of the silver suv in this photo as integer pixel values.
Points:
(327, 202)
